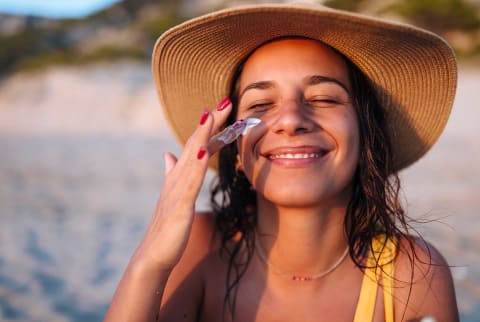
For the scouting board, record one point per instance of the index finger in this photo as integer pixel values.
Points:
(220, 115)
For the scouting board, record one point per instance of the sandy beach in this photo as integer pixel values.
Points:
(81, 168)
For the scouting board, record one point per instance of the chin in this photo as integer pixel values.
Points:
(308, 198)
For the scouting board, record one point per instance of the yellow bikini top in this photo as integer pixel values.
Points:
(379, 270)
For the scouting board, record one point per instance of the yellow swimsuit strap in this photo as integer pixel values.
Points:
(379, 267)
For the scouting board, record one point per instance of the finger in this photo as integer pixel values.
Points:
(186, 176)
(170, 161)
(198, 138)
(221, 113)
(209, 123)
(219, 116)
(187, 182)
(192, 164)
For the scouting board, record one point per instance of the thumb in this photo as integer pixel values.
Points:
(170, 161)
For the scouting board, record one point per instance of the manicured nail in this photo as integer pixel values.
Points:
(223, 104)
(201, 153)
(204, 117)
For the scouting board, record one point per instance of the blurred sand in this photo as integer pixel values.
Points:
(81, 167)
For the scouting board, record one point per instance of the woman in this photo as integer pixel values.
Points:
(307, 224)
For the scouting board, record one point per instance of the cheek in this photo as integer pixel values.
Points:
(346, 133)
(247, 146)
(353, 135)
(244, 157)
(352, 138)
(248, 159)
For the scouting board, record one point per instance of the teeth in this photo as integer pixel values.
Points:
(294, 156)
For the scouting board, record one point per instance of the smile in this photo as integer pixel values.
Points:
(295, 156)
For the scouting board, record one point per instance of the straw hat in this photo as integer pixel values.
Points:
(413, 71)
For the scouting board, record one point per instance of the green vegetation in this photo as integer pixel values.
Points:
(27, 44)
(153, 28)
(456, 20)
(439, 15)
(33, 49)
(38, 45)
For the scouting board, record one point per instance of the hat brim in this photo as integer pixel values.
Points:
(413, 71)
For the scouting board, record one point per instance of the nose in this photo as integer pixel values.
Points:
(292, 118)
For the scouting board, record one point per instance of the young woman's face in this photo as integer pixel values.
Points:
(305, 152)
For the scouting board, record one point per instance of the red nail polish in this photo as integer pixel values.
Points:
(201, 153)
(223, 104)
(204, 117)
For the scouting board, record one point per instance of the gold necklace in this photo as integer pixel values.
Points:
(297, 278)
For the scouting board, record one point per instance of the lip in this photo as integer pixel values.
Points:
(296, 156)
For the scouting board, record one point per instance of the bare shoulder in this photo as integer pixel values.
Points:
(184, 289)
(424, 284)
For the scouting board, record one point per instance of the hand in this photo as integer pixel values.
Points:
(169, 229)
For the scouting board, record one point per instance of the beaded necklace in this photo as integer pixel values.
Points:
(297, 278)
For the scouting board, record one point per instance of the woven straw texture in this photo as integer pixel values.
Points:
(413, 71)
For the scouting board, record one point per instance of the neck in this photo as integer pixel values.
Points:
(301, 241)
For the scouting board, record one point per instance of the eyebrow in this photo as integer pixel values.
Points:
(310, 80)
(318, 79)
(257, 85)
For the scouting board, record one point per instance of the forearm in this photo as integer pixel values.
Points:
(138, 295)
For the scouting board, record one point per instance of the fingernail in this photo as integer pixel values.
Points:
(204, 117)
(201, 153)
(223, 104)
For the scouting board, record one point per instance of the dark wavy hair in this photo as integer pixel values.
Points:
(374, 207)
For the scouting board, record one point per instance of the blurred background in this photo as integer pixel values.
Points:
(82, 136)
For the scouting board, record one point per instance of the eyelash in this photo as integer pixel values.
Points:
(324, 101)
(312, 102)
(260, 106)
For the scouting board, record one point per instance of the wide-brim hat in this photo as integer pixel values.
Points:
(413, 71)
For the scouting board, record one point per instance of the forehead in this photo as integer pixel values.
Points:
(293, 56)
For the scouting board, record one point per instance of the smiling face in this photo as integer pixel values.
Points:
(305, 152)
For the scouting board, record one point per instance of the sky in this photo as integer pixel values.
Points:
(53, 8)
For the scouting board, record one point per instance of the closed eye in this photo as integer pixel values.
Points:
(260, 107)
(331, 101)
(323, 102)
